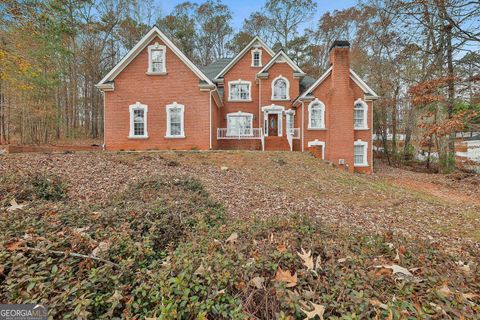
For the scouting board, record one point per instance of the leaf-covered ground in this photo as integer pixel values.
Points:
(234, 235)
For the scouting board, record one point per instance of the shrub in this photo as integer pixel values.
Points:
(50, 188)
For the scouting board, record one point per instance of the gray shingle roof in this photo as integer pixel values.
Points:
(214, 68)
(306, 82)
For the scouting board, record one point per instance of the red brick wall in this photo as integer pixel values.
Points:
(232, 144)
(180, 84)
(243, 70)
(338, 92)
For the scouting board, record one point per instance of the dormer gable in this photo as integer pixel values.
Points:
(256, 45)
(281, 57)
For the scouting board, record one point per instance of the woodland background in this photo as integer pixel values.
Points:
(421, 56)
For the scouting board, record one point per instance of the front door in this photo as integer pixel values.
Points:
(273, 124)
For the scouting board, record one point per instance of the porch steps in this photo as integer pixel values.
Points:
(276, 144)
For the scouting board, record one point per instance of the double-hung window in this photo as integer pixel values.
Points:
(156, 59)
(280, 89)
(138, 120)
(256, 58)
(239, 90)
(175, 121)
(316, 115)
(239, 124)
(360, 114)
(360, 153)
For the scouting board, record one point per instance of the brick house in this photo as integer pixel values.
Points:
(156, 98)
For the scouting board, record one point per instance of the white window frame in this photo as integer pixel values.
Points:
(151, 48)
(364, 126)
(239, 81)
(168, 109)
(364, 144)
(256, 50)
(236, 115)
(132, 108)
(322, 109)
(280, 77)
(290, 120)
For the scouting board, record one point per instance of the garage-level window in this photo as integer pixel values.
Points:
(360, 152)
(138, 120)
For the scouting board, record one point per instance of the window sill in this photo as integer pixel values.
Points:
(175, 137)
(361, 165)
(275, 99)
(150, 73)
(361, 129)
(249, 100)
(138, 137)
(318, 129)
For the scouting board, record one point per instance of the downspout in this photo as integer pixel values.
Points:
(104, 147)
(210, 118)
(303, 125)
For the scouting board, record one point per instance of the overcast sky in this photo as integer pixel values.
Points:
(241, 9)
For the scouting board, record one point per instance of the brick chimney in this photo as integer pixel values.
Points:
(341, 99)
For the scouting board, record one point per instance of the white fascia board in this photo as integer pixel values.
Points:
(154, 32)
(362, 84)
(242, 53)
(290, 62)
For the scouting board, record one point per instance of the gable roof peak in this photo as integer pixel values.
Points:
(140, 45)
(281, 53)
(243, 52)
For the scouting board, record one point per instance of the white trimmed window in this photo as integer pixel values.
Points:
(360, 152)
(239, 90)
(156, 59)
(175, 121)
(360, 114)
(138, 120)
(256, 58)
(239, 124)
(316, 115)
(280, 88)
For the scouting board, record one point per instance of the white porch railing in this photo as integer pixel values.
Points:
(252, 133)
(292, 133)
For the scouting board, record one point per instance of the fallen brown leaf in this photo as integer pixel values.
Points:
(287, 277)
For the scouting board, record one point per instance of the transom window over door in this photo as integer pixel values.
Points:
(316, 115)
(360, 114)
(239, 124)
(175, 121)
(280, 89)
(156, 59)
(239, 90)
(138, 120)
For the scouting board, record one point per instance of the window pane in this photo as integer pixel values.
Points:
(280, 89)
(358, 118)
(240, 91)
(239, 125)
(256, 58)
(358, 154)
(157, 60)
(138, 122)
(175, 121)
(316, 116)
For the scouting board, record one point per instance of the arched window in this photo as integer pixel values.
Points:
(316, 115)
(360, 114)
(138, 120)
(280, 88)
(175, 120)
